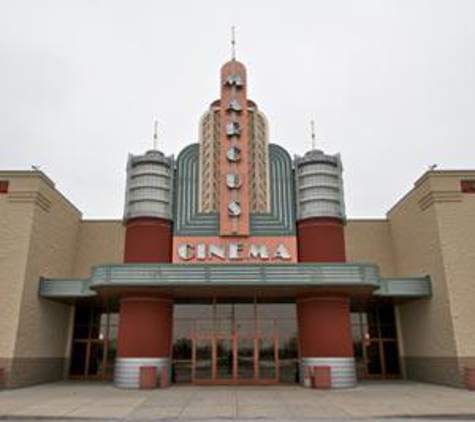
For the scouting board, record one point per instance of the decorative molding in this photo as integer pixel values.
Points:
(33, 197)
(439, 197)
(190, 222)
(405, 287)
(185, 276)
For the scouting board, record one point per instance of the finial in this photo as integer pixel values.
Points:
(233, 43)
(314, 136)
(155, 134)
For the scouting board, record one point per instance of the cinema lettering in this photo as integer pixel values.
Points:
(233, 252)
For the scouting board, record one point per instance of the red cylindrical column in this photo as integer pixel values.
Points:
(323, 317)
(321, 239)
(144, 338)
(145, 319)
(324, 326)
(148, 240)
(325, 337)
(145, 327)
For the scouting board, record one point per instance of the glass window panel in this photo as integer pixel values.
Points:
(224, 358)
(372, 324)
(193, 311)
(224, 310)
(355, 318)
(224, 326)
(114, 319)
(182, 328)
(244, 326)
(96, 353)
(182, 349)
(373, 355)
(204, 326)
(386, 314)
(266, 327)
(203, 364)
(82, 315)
(113, 332)
(276, 310)
(182, 356)
(78, 358)
(391, 358)
(111, 354)
(104, 327)
(81, 331)
(388, 330)
(357, 332)
(245, 357)
(288, 356)
(94, 332)
(244, 318)
(267, 358)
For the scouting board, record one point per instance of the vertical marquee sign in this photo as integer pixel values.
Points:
(234, 151)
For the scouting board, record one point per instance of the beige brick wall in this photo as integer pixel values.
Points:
(432, 228)
(38, 237)
(370, 241)
(99, 242)
(456, 222)
(43, 328)
(15, 227)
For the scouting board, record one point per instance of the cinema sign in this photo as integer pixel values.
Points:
(217, 250)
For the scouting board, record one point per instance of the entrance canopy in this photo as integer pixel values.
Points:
(188, 280)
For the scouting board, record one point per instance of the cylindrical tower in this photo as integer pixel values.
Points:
(324, 318)
(145, 322)
(148, 208)
(320, 207)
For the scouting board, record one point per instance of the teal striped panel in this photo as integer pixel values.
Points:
(189, 222)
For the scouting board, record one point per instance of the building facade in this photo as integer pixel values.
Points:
(236, 264)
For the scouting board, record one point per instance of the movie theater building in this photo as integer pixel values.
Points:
(235, 263)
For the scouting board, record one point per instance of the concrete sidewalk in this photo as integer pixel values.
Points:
(100, 400)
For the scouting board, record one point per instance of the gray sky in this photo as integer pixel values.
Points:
(390, 83)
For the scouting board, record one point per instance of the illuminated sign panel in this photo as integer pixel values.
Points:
(279, 249)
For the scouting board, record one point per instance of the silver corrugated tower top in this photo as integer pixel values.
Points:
(149, 186)
(319, 185)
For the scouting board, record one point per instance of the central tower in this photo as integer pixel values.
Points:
(234, 155)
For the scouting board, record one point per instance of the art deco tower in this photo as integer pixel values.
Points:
(234, 155)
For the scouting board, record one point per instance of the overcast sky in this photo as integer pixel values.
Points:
(391, 85)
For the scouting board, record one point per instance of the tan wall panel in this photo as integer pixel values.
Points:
(15, 225)
(43, 330)
(426, 324)
(99, 242)
(457, 228)
(370, 241)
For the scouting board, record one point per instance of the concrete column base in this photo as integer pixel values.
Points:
(127, 370)
(342, 370)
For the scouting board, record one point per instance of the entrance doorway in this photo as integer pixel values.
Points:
(375, 342)
(94, 343)
(235, 343)
(240, 358)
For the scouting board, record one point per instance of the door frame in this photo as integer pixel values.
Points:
(234, 337)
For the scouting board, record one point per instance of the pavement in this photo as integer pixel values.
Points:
(83, 400)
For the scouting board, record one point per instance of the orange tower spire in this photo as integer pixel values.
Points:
(234, 150)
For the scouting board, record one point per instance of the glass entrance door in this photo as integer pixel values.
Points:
(202, 367)
(225, 357)
(229, 342)
(245, 358)
(241, 358)
(375, 342)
